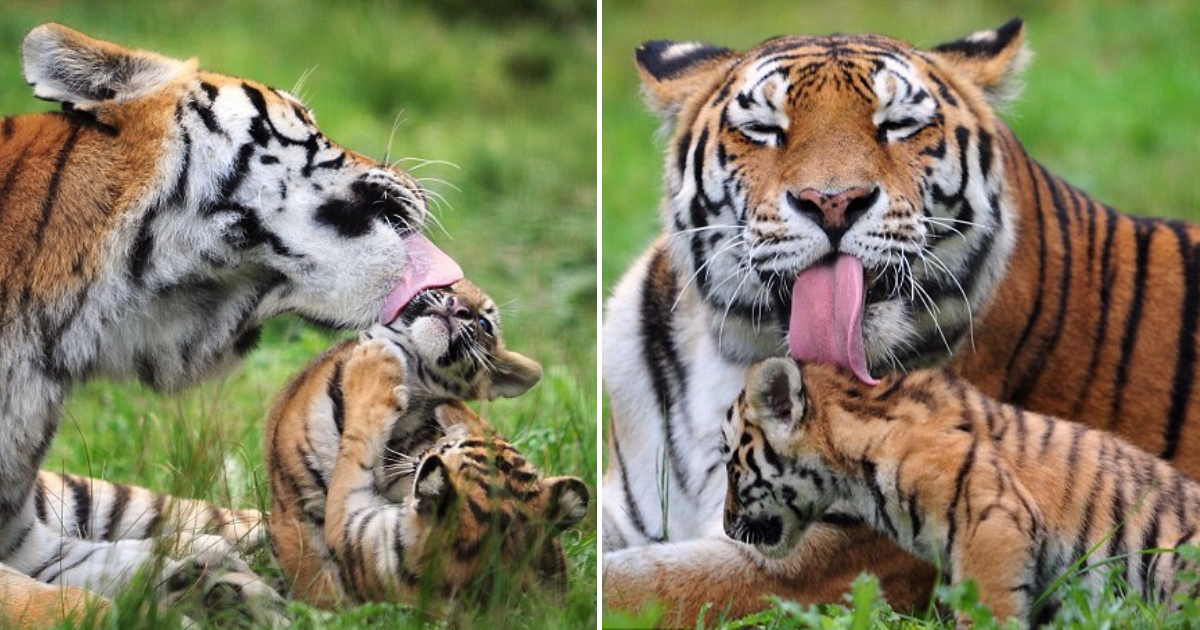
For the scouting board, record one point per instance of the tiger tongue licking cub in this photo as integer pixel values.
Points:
(825, 324)
(428, 267)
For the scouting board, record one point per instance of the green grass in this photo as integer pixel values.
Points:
(1110, 103)
(511, 104)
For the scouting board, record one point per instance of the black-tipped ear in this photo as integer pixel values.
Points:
(513, 374)
(992, 60)
(673, 71)
(775, 386)
(567, 503)
(432, 487)
(64, 65)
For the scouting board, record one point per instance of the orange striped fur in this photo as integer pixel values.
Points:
(380, 475)
(1008, 498)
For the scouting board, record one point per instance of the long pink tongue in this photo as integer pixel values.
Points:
(427, 267)
(826, 320)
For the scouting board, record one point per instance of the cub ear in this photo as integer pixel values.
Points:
(67, 66)
(775, 386)
(568, 501)
(432, 487)
(513, 374)
(673, 71)
(992, 60)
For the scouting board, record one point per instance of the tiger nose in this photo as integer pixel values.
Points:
(457, 307)
(834, 212)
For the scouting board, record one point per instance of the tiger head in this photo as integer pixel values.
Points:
(452, 343)
(480, 516)
(777, 455)
(847, 189)
(225, 203)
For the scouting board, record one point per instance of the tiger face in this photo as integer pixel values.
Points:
(222, 203)
(451, 338)
(776, 452)
(479, 513)
(845, 189)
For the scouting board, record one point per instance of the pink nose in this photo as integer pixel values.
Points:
(834, 211)
(458, 308)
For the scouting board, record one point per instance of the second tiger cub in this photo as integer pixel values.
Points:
(384, 485)
(1005, 497)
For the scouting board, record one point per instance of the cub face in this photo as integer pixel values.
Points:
(779, 483)
(452, 338)
(481, 514)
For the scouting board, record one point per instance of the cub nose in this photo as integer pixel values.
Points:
(834, 212)
(457, 308)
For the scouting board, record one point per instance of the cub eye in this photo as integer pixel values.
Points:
(760, 133)
(485, 325)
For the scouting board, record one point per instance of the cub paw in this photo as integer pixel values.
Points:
(373, 387)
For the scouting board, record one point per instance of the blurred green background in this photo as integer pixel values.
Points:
(1111, 101)
(504, 91)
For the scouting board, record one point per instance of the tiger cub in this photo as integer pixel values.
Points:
(995, 494)
(386, 486)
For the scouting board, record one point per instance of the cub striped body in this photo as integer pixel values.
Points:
(995, 494)
(351, 439)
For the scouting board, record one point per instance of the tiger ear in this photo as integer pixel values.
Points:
(673, 71)
(992, 60)
(432, 487)
(513, 374)
(64, 65)
(568, 501)
(775, 385)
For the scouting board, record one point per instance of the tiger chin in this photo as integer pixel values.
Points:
(149, 229)
(990, 492)
(386, 487)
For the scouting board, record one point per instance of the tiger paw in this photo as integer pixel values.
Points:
(373, 387)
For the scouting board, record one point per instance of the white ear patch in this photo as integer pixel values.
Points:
(432, 484)
(67, 66)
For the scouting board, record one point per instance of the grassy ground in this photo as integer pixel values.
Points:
(1110, 103)
(511, 102)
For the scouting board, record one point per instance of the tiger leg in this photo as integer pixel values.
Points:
(95, 509)
(362, 529)
(27, 603)
(307, 562)
(1001, 526)
(734, 579)
(193, 568)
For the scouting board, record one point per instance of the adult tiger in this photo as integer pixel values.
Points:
(148, 230)
(854, 199)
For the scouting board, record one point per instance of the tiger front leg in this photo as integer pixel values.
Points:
(999, 536)
(360, 523)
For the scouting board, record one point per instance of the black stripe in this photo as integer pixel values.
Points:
(1036, 313)
(1030, 376)
(631, 506)
(7, 128)
(39, 500)
(336, 398)
(1143, 233)
(10, 178)
(1106, 285)
(959, 484)
(51, 200)
(82, 492)
(1185, 360)
(143, 247)
(869, 472)
(120, 501)
(63, 568)
(662, 358)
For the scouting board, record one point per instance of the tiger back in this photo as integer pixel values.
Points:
(1007, 498)
(399, 409)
